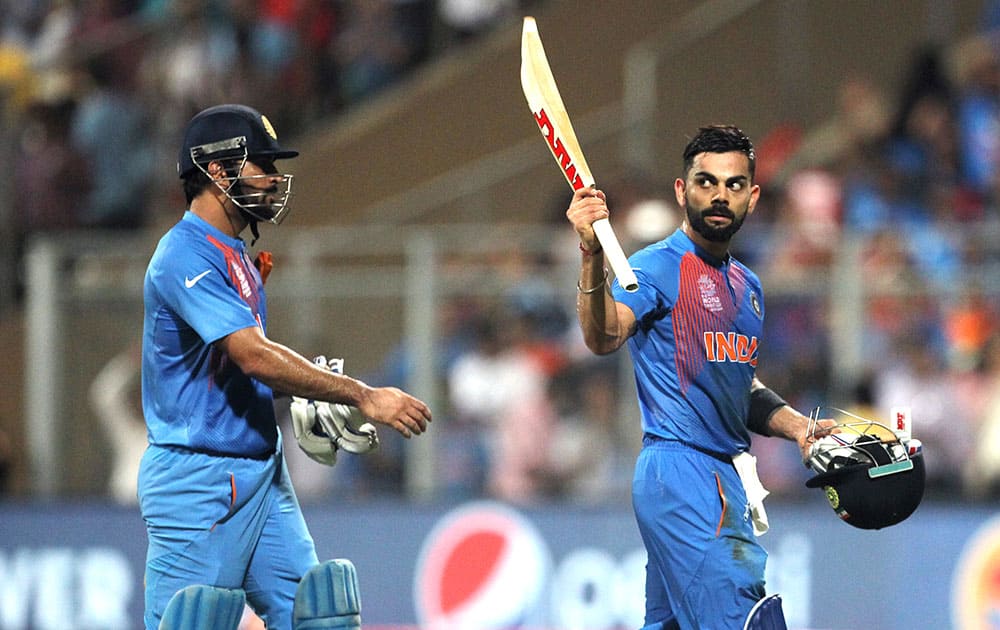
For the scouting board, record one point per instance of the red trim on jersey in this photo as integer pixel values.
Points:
(704, 306)
(240, 274)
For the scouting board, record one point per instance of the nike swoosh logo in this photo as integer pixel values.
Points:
(190, 282)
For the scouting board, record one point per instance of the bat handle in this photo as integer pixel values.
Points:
(616, 257)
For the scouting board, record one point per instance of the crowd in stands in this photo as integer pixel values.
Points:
(93, 94)
(912, 178)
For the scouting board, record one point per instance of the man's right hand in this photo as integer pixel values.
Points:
(589, 204)
(395, 408)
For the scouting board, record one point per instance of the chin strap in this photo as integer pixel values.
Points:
(253, 229)
(237, 189)
(252, 222)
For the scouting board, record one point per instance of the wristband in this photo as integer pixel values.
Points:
(763, 403)
(587, 252)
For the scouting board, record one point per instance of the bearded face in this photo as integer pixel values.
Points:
(717, 223)
(257, 188)
(717, 195)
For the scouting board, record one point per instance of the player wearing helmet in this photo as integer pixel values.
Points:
(214, 491)
(693, 329)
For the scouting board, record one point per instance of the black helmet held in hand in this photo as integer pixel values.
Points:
(872, 477)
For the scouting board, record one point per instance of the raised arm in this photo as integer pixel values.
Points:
(606, 324)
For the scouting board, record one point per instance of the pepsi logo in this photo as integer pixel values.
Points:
(976, 583)
(482, 566)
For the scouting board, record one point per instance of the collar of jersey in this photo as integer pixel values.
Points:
(684, 243)
(234, 242)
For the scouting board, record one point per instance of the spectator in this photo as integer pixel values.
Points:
(521, 468)
(808, 226)
(416, 19)
(201, 59)
(52, 173)
(274, 39)
(468, 19)
(52, 42)
(860, 122)
(914, 379)
(492, 388)
(115, 398)
(922, 143)
(315, 75)
(589, 460)
(371, 50)
(111, 127)
(52, 178)
(977, 72)
(969, 326)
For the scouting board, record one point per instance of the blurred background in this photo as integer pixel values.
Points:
(427, 246)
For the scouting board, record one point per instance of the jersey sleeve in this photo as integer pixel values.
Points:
(657, 289)
(198, 288)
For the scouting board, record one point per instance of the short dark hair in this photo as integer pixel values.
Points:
(720, 139)
(194, 183)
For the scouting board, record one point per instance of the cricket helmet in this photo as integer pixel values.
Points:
(236, 134)
(872, 476)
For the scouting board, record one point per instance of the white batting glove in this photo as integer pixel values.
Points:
(322, 428)
(342, 425)
(318, 446)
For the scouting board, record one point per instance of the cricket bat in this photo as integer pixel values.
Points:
(550, 114)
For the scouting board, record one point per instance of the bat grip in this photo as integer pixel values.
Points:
(616, 257)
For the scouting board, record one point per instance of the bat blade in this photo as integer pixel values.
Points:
(547, 106)
(553, 122)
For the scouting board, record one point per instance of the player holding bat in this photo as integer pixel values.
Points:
(693, 329)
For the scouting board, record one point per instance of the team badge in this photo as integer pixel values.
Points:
(755, 304)
(267, 127)
(832, 497)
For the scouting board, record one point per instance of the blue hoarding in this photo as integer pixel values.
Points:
(485, 565)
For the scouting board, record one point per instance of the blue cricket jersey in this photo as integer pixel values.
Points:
(200, 286)
(695, 349)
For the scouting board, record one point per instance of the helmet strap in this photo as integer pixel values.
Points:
(253, 228)
(237, 186)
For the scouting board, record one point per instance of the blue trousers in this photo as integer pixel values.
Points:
(228, 522)
(705, 569)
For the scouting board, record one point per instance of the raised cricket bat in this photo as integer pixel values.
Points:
(547, 106)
